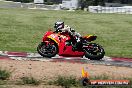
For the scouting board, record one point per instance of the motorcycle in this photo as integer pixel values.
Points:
(62, 44)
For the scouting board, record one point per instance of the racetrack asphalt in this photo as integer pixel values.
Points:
(112, 61)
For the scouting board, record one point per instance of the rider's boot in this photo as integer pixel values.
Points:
(76, 46)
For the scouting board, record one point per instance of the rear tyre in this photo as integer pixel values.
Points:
(49, 50)
(94, 51)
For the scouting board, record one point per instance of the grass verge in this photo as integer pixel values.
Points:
(66, 82)
(29, 81)
(4, 74)
(63, 81)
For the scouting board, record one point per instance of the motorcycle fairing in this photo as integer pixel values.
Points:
(57, 38)
(46, 34)
(67, 51)
(64, 50)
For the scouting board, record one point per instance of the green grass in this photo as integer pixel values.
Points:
(66, 82)
(22, 30)
(30, 80)
(4, 74)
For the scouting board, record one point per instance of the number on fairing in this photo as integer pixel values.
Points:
(52, 35)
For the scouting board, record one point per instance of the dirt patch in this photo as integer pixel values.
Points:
(50, 70)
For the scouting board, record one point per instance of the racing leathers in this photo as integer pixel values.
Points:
(73, 33)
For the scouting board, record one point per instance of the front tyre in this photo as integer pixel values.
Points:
(47, 50)
(94, 51)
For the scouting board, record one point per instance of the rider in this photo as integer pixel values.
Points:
(60, 27)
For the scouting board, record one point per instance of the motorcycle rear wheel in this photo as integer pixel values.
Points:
(96, 52)
(47, 51)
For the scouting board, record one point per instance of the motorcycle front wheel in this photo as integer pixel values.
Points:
(49, 50)
(94, 51)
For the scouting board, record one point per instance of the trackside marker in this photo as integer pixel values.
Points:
(122, 59)
(4, 58)
(18, 54)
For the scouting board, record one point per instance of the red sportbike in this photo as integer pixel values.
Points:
(62, 44)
